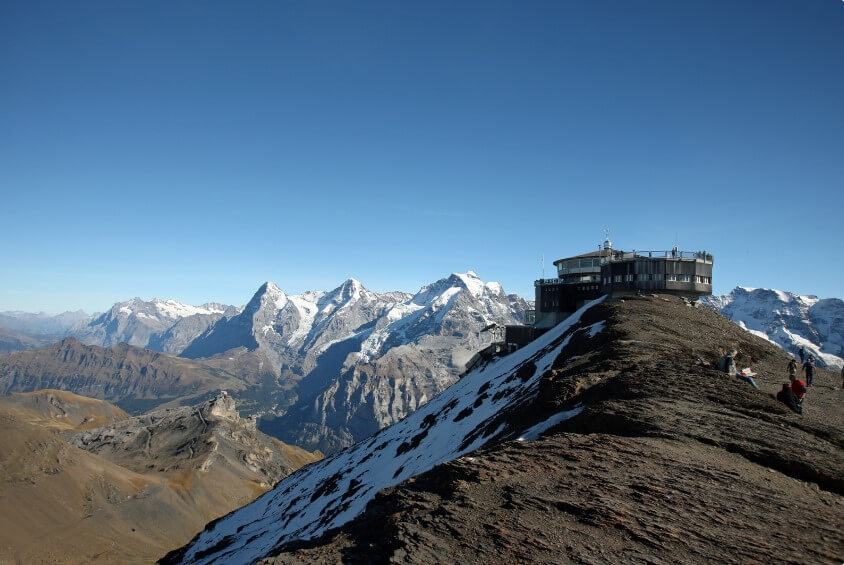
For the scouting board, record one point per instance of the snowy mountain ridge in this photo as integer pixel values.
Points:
(789, 320)
(161, 325)
(328, 494)
(330, 367)
(365, 359)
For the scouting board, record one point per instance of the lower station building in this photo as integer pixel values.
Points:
(585, 277)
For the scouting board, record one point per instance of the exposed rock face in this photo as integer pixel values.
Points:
(293, 331)
(194, 438)
(116, 373)
(788, 320)
(629, 444)
(374, 371)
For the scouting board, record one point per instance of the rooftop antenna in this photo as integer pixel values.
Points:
(607, 242)
(542, 262)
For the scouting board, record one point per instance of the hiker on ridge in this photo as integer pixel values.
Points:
(809, 369)
(786, 396)
(792, 367)
(802, 354)
(798, 388)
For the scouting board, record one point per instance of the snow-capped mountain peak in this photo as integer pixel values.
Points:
(470, 281)
(163, 325)
(788, 320)
(268, 297)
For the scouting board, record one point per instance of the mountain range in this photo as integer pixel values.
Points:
(788, 320)
(325, 369)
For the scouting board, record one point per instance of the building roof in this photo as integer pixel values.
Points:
(596, 253)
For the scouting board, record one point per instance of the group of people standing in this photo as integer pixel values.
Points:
(794, 391)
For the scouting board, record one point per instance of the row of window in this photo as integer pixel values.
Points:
(566, 266)
(657, 277)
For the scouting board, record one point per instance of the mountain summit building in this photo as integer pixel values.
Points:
(587, 276)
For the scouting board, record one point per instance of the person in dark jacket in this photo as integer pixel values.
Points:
(787, 397)
(809, 369)
(802, 354)
(792, 367)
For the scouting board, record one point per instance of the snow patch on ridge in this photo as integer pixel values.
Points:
(534, 432)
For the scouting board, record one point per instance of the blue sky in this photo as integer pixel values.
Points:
(192, 150)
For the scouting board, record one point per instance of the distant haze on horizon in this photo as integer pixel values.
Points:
(193, 150)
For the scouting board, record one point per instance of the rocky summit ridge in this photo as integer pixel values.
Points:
(161, 325)
(611, 438)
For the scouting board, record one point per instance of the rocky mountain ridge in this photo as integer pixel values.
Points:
(123, 373)
(193, 438)
(368, 360)
(339, 364)
(161, 325)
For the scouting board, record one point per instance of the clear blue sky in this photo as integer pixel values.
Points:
(192, 150)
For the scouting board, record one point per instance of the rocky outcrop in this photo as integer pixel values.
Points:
(196, 438)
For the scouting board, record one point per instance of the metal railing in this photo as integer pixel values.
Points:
(701, 256)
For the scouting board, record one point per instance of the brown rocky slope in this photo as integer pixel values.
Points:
(123, 374)
(669, 461)
(62, 410)
(130, 490)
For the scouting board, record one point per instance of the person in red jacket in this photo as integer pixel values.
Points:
(798, 387)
